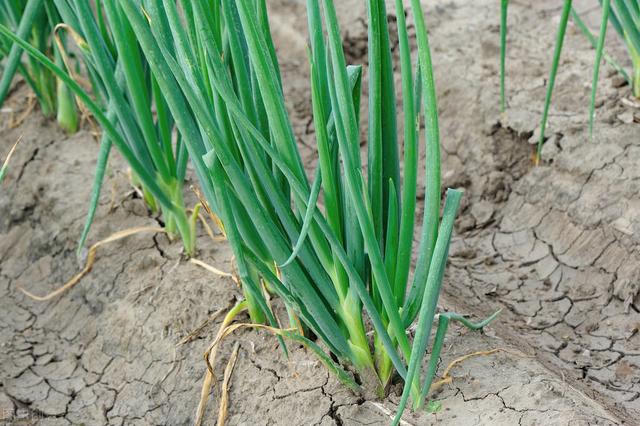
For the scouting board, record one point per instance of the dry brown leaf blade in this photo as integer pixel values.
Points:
(224, 398)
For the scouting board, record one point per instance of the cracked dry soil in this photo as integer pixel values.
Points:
(555, 246)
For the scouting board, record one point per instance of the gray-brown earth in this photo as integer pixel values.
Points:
(555, 246)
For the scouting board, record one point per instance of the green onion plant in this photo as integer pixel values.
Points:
(130, 96)
(624, 16)
(35, 21)
(343, 268)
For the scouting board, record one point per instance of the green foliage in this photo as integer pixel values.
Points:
(134, 103)
(35, 21)
(623, 15)
(625, 19)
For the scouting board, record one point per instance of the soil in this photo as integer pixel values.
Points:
(554, 246)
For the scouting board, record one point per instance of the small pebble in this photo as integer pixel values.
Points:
(482, 211)
(632, 103)
(618, 81)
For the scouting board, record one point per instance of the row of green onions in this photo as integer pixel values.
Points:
(132, 101)
(35, 21)
(125, 90)
(623, 15)
(207, 71)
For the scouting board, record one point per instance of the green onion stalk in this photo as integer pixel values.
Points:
(635, 61)
(41, 76)
(67, 113)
